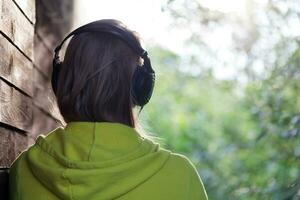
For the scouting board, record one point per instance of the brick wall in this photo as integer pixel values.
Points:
(29, 31)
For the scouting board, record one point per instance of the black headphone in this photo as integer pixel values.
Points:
(143, 77)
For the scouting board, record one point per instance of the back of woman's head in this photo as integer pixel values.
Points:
(96, 77)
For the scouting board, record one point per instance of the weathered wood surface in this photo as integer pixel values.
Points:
(7, 153)
(27, 104)
(52, 24)
(15, 67)
(42, 57)
(15, 107)
(42, 123)
(53, 21)
(16, 27)
(44, 97)
(28, 7)
(12, 144)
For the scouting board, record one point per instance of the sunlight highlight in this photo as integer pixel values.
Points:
(225, 6)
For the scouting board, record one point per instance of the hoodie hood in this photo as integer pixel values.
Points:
(94, 160)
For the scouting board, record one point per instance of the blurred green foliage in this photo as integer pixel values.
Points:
(243, 138)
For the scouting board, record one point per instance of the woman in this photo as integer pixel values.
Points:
(100, 154)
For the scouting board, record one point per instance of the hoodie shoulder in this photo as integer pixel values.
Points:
(188, 172)
(181, 162)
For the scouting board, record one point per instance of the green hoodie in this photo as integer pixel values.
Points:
(102, 160)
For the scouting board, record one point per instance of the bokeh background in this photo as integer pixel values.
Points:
(227, 93)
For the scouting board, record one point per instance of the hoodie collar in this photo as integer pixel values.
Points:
(105, 135)
(92, 141)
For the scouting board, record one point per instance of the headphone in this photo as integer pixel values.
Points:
(144, 76)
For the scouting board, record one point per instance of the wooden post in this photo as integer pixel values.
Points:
(29, 30)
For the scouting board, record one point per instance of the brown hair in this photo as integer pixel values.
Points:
(95, 80)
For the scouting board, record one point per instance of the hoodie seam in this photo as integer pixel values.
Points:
(93, 143)
(44, 146)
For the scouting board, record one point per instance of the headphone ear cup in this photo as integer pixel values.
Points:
(142, 86)
(55, 74)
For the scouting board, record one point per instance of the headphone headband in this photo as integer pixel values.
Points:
(117, 30)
